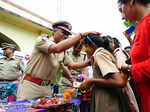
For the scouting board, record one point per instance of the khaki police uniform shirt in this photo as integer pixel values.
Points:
(71, 58)
(9, 69)
(42, 65)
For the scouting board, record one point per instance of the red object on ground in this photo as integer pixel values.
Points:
(11, 98)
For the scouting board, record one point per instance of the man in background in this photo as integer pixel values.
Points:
(73, 55)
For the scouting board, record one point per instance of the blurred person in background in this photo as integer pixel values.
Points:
(73, 55)
(77, 56)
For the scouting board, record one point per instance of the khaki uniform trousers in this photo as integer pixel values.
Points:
(28, 90)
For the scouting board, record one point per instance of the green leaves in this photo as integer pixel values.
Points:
(128, 24)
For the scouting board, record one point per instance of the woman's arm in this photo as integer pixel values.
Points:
(115, 80)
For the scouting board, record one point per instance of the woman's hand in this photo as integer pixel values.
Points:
(125, 67)
(128, 36)
(86, 83)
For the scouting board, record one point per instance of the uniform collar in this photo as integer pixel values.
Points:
(12, 58)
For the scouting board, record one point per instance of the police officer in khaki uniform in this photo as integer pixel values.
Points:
(77, 56)
(10, 68)
(45, 61)
(9, 65)
(72, 55)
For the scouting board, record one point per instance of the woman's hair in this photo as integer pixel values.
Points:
(77, 43)
(116, 42)
(143, 2)
(100, 41)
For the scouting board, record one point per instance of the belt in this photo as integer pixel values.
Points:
(37, 81)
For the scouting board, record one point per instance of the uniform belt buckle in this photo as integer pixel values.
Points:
(44, 83)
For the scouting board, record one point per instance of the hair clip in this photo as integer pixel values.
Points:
(90, 40)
